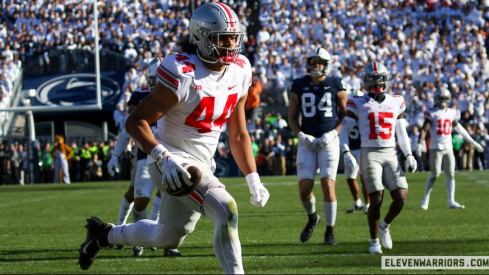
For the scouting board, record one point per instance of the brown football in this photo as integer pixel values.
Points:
(188, 185)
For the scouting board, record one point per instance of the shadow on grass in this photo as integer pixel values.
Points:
(264, 250)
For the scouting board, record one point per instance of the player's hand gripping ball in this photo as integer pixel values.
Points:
(188, 184)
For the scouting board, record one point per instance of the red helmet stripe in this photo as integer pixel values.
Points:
(374, 64)
(228, 12)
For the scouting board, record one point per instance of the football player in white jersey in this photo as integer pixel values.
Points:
(141, 186)
(315, 120)
(379, 116)
(354, 142)
(198, 90)
(439, 122)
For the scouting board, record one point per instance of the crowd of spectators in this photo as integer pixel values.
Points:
(424, 43)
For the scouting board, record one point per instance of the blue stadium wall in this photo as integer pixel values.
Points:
(76, 89)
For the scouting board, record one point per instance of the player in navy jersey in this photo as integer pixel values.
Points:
(314, 118)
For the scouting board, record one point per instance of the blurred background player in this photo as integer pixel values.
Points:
(315, 100)
(354, 143)
(439, 122)
(379, 116)
(208, 77)
(141, 187)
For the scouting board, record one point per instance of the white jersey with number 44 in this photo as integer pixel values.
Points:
(377, 120)
(441, 127)
(206, 99)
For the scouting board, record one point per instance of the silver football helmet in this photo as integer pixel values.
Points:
(376, 78)
(208, 24)
(442, 97)
(322, 54)
(151, 72)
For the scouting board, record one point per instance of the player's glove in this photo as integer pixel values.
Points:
(259, 194)
(113, 165)
(478, 147)
(419, 149)
(169, 168)
(326, 138)
(350, 162)
(309, 141)
(411, 162)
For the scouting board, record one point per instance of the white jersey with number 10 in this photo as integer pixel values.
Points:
(206, 99)
(377, 120)
(441, 126)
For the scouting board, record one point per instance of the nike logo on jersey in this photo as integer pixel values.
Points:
(85, 248)
(327, 87)
(230, 88)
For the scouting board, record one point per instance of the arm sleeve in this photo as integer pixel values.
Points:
(402, 137)
(352, 106)
(121, 143)
(168, 74)
(346, 128)
(461, 130)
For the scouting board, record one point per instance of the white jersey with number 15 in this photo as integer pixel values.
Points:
(377, 120)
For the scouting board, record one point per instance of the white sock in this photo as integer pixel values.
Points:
(430, 182)
(329, 212)
(124, 211)
(450, 190)
(146, 233)
(139, 215)
(358, 202)
(227, 246)
(154, 215)
(374, 241)
(384, 225)
(310, 205)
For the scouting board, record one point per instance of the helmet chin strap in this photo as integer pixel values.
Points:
(318, 74)
(217, 60)
(205, 60)
(377, 96)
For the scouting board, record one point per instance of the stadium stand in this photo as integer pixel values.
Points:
(423, 43)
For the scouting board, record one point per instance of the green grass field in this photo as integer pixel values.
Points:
(42, 227)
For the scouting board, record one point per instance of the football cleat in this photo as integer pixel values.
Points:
(385, 237)
(424, 203)
(375, 249)
(171, 253)
(137, 251)
(354, 208)
(119, 246)
(153, 248)
(307, 231)
(329, 239)
(455, 205)
(97, 232)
